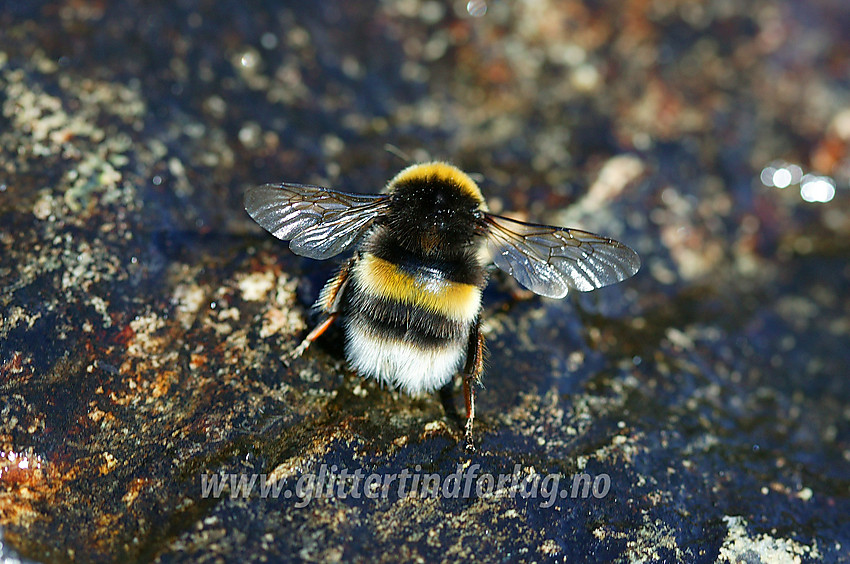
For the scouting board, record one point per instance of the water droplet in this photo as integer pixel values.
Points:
(476, 8)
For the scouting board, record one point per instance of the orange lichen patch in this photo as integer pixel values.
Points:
(109, 463)
(19, 467)
(197, 360)
(25, 480)
(99, 416)
(135, 489)
(163, 383)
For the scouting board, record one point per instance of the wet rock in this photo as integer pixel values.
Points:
(696, 412)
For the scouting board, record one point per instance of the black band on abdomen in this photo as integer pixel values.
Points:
(398, 321)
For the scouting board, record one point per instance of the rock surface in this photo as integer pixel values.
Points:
(146, 320)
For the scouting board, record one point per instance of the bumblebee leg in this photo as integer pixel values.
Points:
(330, 298)
(314, 334)
(472, 376)
(329, 303)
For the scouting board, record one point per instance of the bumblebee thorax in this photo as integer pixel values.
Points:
(434, 208)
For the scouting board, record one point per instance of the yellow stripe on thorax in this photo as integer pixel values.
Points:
(382, 278)
(439, 171)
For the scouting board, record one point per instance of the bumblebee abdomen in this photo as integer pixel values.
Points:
(407, 325)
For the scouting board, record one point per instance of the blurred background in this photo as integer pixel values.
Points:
(144, 318)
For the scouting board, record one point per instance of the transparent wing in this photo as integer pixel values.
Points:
(550, 260)
(318, 223)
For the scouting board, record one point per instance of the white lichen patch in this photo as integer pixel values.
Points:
(188, 297)
(282, 316)
(68, 125)
(86, 264)
(92, 174)
(43, 207)
(277, 320)
(100, 306)
(549, 547)
(256, 286)
(740, 546)
(150, 364)
(146, 340)
(15, 316)
(644, 543)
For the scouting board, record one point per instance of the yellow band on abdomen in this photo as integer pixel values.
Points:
(382, 278)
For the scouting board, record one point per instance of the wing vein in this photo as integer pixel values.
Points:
(318, 223)
(550, 260)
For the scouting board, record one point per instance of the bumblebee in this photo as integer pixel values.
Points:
(410, 297)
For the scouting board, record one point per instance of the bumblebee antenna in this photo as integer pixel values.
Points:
(393, 150)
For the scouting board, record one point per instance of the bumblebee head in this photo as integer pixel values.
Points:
(434, 208)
